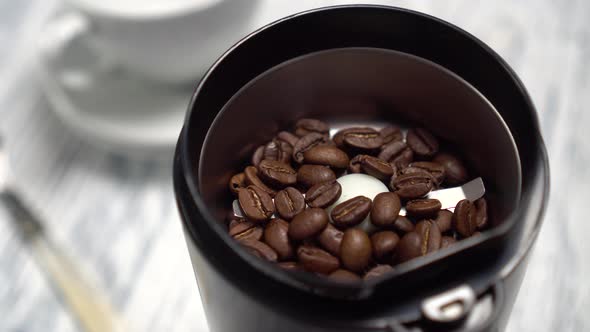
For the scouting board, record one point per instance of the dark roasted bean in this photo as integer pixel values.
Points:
(455, 173)
(422, 142)
(290, 266)
(465, 218)
(341, 134)
(376, 168)
(275, 235)
(330, 239)
(481, 216)
(385, 210)
(413, 185)
(278, 150)
(260, 249)
(277, 174)
(237, 182)
(444, 220)
(378, 271)
(246, 231)
(384, 244)
(424, 239)
(309, 175)
(355, 250)
(256, 204)
(355, 163)
(436, 170)
(323, 194)
(308, 224)
(317, 260)
(327, 155)
(258, 155)
(391, 133)
(447, 241)
(423, 208)
(305, 143)
(307, 126)
(409, 247)
(366, 140)
(351, 212)
(289, 202)
(252, 179)
(342, 275)
(397, 153)
(286, 136)
(403, 225)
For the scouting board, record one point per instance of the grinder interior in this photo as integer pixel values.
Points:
(362, 87)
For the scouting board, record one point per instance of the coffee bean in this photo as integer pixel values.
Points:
(330, 239)
(310, 175)
(289, 202)
(308, 224)
(317, 260)
(397, 153)
(386, 207)
(307, 126)
(278, 150)
(327, 155)
(378, 271)
(355, 250)
(409, 247)
(277, 174)
(376, 168)
(481, 216)
(436, 170)
(260, 249)
(342, 275)
(286, 136)
(237, 182)
(275, 235)
(290, 266)
(323, 194)
(403, 225)
(252, 179)
(391, 133)
(412, 185)
(384, 244)
(447, 241)
(444, 220)
(256, 204)
(351, 212)
(246, 231)
(366, 140)
(465, 218)
(341, 134)
(233, 220)
(422, 142)
(423, 208)
(305, 143)
(258, 155)
(430, 235)
(354, 166)
(455, 172)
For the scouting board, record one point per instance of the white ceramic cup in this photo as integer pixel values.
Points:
(172, 41)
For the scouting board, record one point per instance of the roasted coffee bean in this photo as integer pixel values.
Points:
(286, 136)
(276, 173)
(481, 216)
(237, 182)
(341, 134)
(258, 155)
(422, 142)
(423, 208)
(436, 170)
(447, 241)
(233, 220)
(455, 172)
(412, 185)
(403, 225)
(391, 133)
(256, 204)
(430, 234)
(330, 239)
(409, 247)
(317, 260)
(290, 266)
(327, 155)
(354, 166)
(246, 231)
(444, 220)
(307, 126)
(366, 140)
(465, 218)
(355, 250)
(351, 212)
(385, 210)
(342, 275)
(323, 194)
(384, 244)
(260, 249)
(278, 150)
(308, 224)
(305, 143)
(310, 175)
(275, 235)
(289, 202)
(376, 168)
(378, 271)
(397, 153)
(252, 179)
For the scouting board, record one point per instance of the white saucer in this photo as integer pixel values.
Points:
(108, 106)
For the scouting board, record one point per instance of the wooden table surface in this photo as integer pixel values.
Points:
(116, 216)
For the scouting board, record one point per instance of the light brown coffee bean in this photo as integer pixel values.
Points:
(289, 202)
(465, 218)
(422, 142)
(327, 155)
(378, 271)
(310, 175)
(246, 231)
(423, 208)
(330, 239)
(351, 212)
(323, 194)
(444, 220)
(252, 179)
(237, 182)
(385, 210)
(276, 173)
(355, 250)
(307, 126)
(317, 260)
(342, 275)
(308, 224)
(384, 244)
(260, 249)
(275, 235)
(256, 204)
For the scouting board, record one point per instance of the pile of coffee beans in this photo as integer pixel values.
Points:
(286, 196)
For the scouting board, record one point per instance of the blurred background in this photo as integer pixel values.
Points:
(89, 117)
